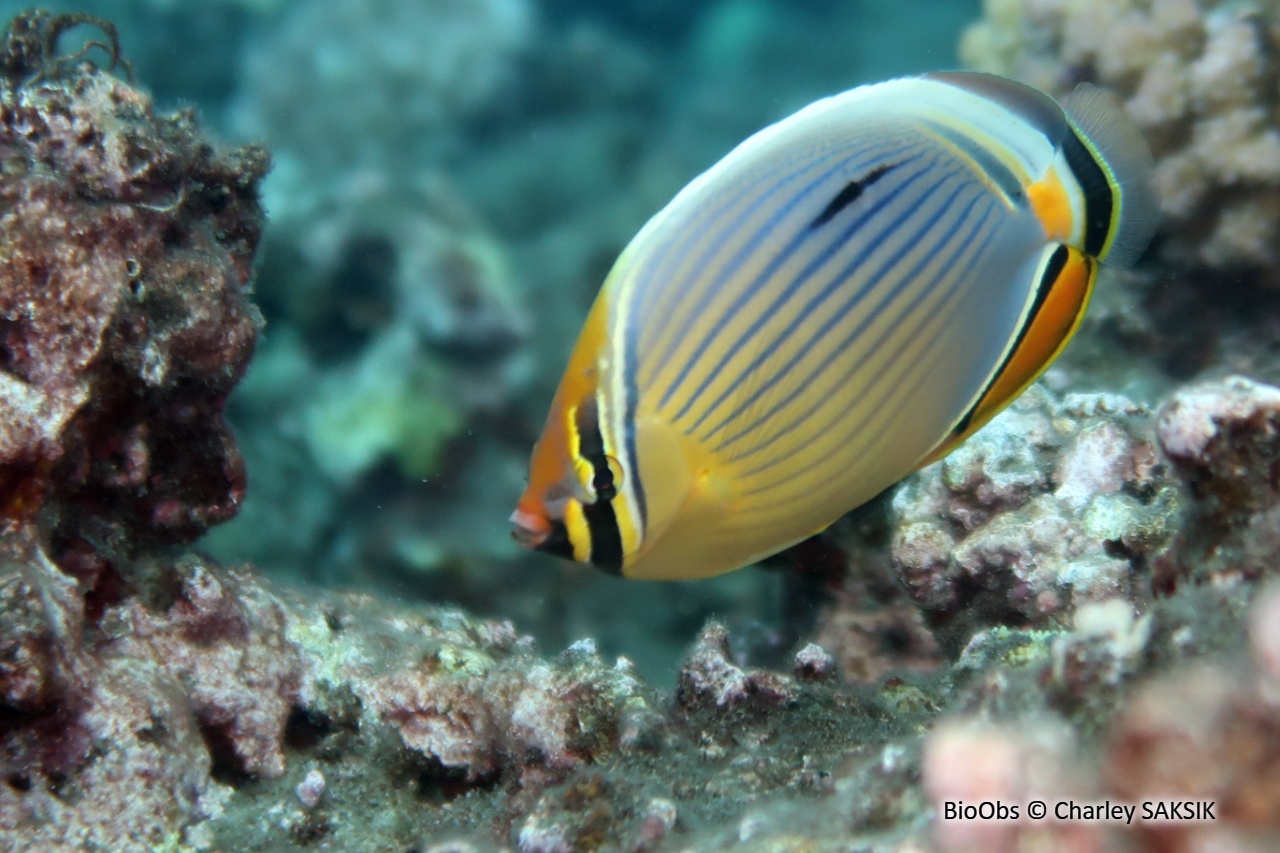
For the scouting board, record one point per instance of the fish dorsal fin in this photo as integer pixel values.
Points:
(1122, 154)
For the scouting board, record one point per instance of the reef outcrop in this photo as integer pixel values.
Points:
(1057, 502)
(126, 253)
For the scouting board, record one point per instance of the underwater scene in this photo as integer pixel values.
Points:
(434, 426)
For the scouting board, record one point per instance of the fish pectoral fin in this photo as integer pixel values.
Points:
(1064, 282)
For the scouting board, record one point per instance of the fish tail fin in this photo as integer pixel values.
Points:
(1119, 150)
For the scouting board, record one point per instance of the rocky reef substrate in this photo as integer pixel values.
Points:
(1079, 605)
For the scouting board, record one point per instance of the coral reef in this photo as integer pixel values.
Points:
(126, 246)
(1223, 437)
(467, 739)
(1197, 735)
(1056, 502)
(205, 692)
(1079, 603)
(434, 64)
(1199, 78)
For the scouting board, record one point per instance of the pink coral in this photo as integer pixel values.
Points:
(201, 678)
(477, 709)
(971, 763)
(1198, 733)
(223, 640)
(1203, 734)
(1224, 436)
(710, 677)
(1264, 632)
(870, 642)
(1050, 506)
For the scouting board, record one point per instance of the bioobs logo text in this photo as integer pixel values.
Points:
(985, 810)
(1078, 811)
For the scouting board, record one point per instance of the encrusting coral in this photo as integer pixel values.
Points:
(1197, 736)
(1223, 437)
(203, 690)
(1055, 503)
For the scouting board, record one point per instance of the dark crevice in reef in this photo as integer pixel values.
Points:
(977, 602)
(434, 783)
(305, 729)
(226, 767)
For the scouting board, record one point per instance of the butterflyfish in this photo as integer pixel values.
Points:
(842, 299)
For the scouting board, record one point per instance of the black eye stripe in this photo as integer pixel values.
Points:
(557, 541)
(602, 521)
(591, 448)
(606, 540)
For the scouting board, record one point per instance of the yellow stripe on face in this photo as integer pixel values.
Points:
(628, 525)
(575, 522)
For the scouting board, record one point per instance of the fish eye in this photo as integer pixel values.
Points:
(607, 481)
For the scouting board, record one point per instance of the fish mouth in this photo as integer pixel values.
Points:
(529, 530)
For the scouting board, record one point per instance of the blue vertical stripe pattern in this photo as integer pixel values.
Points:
(761, 330)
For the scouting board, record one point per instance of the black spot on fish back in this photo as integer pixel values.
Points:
(850, 193)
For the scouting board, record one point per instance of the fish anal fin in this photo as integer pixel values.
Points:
(1066, 282)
